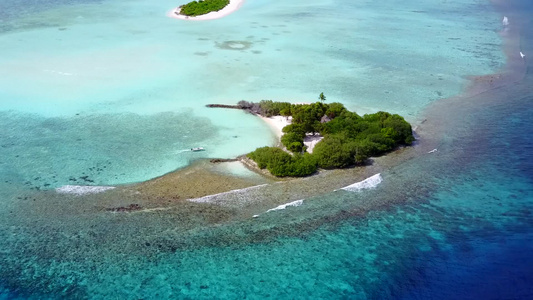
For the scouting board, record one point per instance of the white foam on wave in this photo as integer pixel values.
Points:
(213, 198)
(369, 183)
(284, 206)
(82, 189)
(433, 151)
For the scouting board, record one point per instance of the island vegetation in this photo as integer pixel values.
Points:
(348, 139)
(202, 7)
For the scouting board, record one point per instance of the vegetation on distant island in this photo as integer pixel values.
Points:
(349, 139)
(280, 163)
(202, 7)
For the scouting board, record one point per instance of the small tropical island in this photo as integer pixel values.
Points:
(202, 7)
(347, 139)
(205, 10)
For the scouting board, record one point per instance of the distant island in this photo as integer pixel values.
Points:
(202, 7)
(205, 10)
(348, 139)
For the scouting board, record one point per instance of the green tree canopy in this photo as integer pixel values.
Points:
(202, 7)
(322, 98)
(332, 152)
(349, 139)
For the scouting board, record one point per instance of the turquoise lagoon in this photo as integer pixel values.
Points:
(114, 92)
(85, 64)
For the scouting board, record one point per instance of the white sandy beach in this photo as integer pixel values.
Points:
(278, 122)
(230, 8)
(310, 141)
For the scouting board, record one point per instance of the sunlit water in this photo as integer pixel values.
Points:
(103, 93)
(101, 68)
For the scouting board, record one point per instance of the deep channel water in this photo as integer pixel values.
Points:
(453, 224)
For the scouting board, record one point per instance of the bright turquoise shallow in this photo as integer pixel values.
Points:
(115, 92)
(106, 60)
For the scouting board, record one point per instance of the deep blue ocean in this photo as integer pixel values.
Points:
(453, 224)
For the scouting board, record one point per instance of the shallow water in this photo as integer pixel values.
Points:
(455, 223)
(108, 59)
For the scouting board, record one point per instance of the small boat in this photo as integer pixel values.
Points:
(197, 149)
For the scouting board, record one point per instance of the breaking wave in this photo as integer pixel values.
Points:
(214, 198)
(369, 183)
(284, 206)
(82, 189)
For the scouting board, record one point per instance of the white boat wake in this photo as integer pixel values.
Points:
(182, 151)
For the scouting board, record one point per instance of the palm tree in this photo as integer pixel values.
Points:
(322, 98)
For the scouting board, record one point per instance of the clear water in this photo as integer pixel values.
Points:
(111, 58)
(115, 94)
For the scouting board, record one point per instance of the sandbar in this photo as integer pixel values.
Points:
(233, 6)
